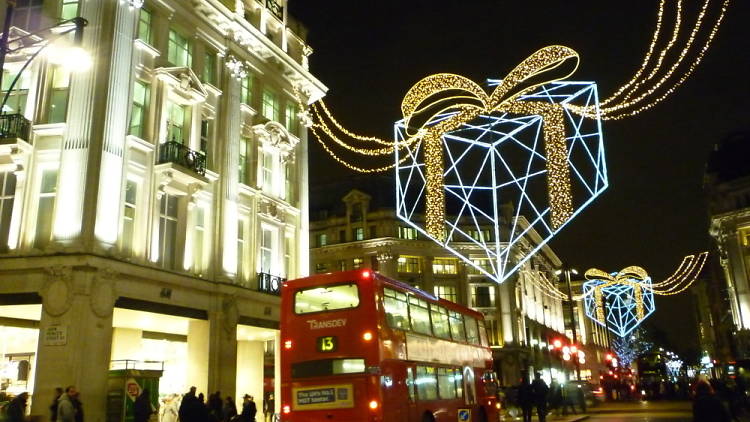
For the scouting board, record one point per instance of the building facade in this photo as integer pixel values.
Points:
(727, 188)
(358, 228)
(150, 207)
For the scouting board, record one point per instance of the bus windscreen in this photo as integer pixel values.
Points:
(326, 298)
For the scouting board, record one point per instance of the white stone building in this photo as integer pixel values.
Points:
(150, 206)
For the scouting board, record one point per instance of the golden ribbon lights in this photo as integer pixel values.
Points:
(633, 276)
(467, 100)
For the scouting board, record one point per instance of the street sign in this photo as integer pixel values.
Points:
(464, 415)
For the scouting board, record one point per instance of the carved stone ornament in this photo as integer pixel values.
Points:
(136, 4)
(102, 296)
(57, 296)
(230, 314)
(236, 67)
(306, 52)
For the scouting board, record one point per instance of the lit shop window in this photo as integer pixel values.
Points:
(290, 118)
(244, 146)
(357, 263)
(7, 194)
(176, 116)
(16, 103)
(178, 50)
(128, 215)
(145, 32)
(446, 292)
(267, 171)
(270, 106)
(46, 208)
(246, 89)
(358, 233)
(139, 108)
(241, 271)
(482, 296)
(409, 264)
(168, 209)
(209, 68)
(57, 107)
(69, 9)
(444, 266)
(409, 233)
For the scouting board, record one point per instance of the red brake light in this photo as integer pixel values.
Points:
(557, 343)
(366, 274)
(286, 409)
(288, 344)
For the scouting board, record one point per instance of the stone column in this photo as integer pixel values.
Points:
(230, 181)
(506, 304)
(75, 207)
(75, 336)
(198, 355)
(222, 348)
(14, 240)
(116, 121)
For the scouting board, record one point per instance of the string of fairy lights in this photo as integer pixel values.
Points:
(651, 84)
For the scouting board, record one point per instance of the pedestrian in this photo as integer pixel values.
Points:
(16, 409)
(142, 407)
(229, 410)
(269, 405)
(201, 410)
(581, 398)
(215, 411)
(540, 391)
(567, 400)
(55, 402)
(78, 406)
(187, 409)
(66, 409)
(706, 406)
(555, 397)
(249, 409)
(168, 409)
(525, 397)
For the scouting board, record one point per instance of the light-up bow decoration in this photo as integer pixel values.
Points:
(618, 301)
(477, 152)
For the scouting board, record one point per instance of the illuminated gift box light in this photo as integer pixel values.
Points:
(619, 303)
(504, 158)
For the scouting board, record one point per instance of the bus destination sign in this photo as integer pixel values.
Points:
(327, 344)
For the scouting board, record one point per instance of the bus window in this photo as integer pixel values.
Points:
(326, 298)
(396, 309)
(471, 396)
(446, 385)
(420, 316)
(426, 383)
(410, 384)
(440, 321)
(472, 334)
(457, 326)
(326, 367)
(483, 333)
(458, 378)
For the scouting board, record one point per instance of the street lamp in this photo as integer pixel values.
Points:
(73, 57)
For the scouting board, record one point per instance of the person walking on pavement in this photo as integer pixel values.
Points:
(249, 409)
(707, 407)
(142, 407)
(188, 407)
(55, 402)
(269, 405)
(230, 409)
(215, 411)
(76, 400)
(540, 391)
(66, 408)
(16, 410)
(568, 399)
(525, 397)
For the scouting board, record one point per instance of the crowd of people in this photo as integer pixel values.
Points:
(555, 398)
(67, 407)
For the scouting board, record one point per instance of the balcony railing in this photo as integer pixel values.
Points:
(270, 284)
(14, 126)
(175, 152)
(275, 8)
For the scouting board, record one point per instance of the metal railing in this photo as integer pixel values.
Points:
(175, 152)
(275, 8)
(14, 126)
(270, 284)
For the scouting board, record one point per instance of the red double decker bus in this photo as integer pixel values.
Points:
(357, 346)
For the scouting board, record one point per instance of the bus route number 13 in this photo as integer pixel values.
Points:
(326, 344)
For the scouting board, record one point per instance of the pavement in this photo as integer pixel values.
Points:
(630, 411)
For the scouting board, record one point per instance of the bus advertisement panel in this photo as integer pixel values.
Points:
(357, 346)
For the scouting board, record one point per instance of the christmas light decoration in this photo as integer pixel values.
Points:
(497, 158)
(630, 347)
(620, 301)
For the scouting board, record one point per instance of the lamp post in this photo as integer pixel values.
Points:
(567, 271)
(41, 39)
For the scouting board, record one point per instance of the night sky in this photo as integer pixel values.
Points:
(370, 53)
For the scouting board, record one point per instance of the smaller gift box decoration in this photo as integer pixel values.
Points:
(618, 301)
(492, 172)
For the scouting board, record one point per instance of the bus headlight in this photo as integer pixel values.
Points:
(373, 404)
(285, 409)
(367, 336)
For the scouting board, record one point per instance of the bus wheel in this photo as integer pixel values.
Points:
(427, 417)
(482, 414)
